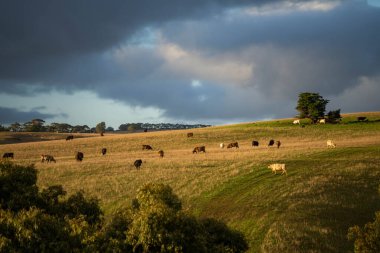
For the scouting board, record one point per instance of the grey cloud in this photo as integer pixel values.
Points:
(11, 115)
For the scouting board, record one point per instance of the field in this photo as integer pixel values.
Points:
(325, 192)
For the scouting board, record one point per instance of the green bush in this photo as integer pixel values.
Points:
(366, 239)
(48, 221)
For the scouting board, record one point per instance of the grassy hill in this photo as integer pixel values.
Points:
(309, 210)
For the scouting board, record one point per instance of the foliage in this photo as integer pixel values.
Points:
(101, 127)
(48, 221)
(334, 116)
(366, 239)
(311, 105)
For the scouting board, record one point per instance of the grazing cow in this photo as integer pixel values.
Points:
(104, 151)
(221, 145)
(255, 143)
(330, 144)
(362, 118)
(278, 143)
(138, 163)
(190, 135)
(297, 121)
(79, 156)
(278, 167)
(161, 153)
(146, 147)
(47, 158)
(199, 149)
(8, 155)
(322, 121)
(233, 145)
(70, 137)
(271, 143)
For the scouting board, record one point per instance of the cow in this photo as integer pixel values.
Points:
(255, 143)
(271, 143)
(8, 155)
(199, 149)
(322, 121)
(221, 145)
(278, 143)
(79, 156)
(138, 163)
(145, 130)
(70, 137)
(47, 158)
(330, 144)
(104, 151)
(146, 147)
(161, 153)
(233, 145)
(297, 121)
(278, 167)
(190, 135)
(362, 118)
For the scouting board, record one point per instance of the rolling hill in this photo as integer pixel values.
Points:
(325, 192)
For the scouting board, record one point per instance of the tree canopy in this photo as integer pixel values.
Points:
(311, 106)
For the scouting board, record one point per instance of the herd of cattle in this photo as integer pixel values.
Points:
(79, 156)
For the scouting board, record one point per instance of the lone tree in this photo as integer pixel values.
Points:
(311, 106)
(101, 128)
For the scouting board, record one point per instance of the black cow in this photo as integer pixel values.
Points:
(271, 143)
(70, 137)
(8, 155)
(146, 147)
(145, 130)
(255, 143)
(47, 158)
(190, 135)
(199, 149)
(137, 163)
(362, 118)
(161, 153)
(233, 145)
(278, 143)
(79, 156)
(104, 151)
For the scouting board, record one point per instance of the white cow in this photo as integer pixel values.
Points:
(297, 121)
(322, 121)
(330, 144)
(221, 145)
(278, 167)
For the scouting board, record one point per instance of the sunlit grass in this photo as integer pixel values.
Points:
(325, 192)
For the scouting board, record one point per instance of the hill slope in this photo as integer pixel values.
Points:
(326, 190)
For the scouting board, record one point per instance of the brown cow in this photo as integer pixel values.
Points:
(104, 151)
(70, 137)
(255, 143)
(146, 147)
(278, 143)
(199, 149)
(190, 135)
(138, 163)
(362, 118)
(271, 143)
(8, 155)
(161, 153)
(233, 145)
(47, 158)
(79, 156)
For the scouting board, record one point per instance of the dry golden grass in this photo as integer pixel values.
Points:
(229, 184)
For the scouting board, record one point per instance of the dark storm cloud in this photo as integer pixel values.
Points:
(11, 115)
(72, 45)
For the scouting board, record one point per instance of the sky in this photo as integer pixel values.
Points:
(190, 61)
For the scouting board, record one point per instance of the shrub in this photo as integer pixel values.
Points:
(367, 239)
